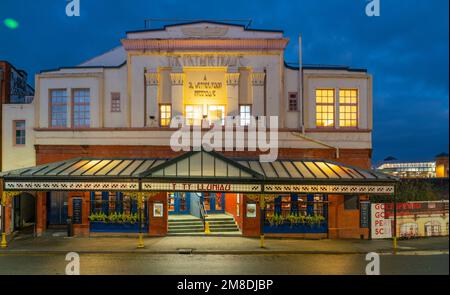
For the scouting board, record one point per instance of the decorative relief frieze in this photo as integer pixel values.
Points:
(70, 186)
(258, 78)
(330, 189)
(204, 31)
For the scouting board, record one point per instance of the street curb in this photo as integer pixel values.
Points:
(211, 252)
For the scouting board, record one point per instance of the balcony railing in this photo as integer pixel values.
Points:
(21, 100)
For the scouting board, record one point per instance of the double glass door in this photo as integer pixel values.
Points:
(180, 202)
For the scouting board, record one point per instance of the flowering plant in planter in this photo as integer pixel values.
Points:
(114, 218)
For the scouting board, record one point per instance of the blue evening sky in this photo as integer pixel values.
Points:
(405, 49)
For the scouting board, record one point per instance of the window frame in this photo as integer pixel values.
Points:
(116, 104)
(350, 105)
(296, 101)
(51, 104)
(73, 107)
(325, 104)
(160, 114)
(250, 114)
(15, 132)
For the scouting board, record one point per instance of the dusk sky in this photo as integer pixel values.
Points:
(405, 49)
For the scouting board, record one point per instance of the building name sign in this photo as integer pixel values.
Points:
(205, 88)
(205, 60)
(200, 187)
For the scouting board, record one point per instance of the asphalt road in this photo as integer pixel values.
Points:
(183, 264)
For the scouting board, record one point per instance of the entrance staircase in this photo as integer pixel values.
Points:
(191, 225)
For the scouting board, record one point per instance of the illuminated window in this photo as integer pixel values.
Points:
(245, 112)
(19, 132)
(58, 108)
(293, 102)
(165, 114)
(348, 108)
(81, 108)
(325, 108)
(194, 114)
(216, 113)
(115, 102)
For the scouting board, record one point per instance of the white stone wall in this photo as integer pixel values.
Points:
(14, 157)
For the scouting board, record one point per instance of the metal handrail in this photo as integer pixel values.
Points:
(202, 211)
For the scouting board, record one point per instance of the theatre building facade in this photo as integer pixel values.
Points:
(96, 147)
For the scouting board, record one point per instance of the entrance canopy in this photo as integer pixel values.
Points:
(199, 171)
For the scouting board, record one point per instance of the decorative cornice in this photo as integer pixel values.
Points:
(205, 44)
(152, 79)
(258, 78)
(177, 78)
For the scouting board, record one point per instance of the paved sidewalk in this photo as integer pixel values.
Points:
(216, 245)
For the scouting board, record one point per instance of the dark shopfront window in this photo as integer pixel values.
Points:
(112, 202)
(301, 205)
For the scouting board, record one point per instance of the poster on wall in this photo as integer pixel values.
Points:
(77, 213)
(158, 210)
(381, 227)
(251, 210)
(364, 213)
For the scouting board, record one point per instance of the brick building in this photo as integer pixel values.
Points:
(101, 139)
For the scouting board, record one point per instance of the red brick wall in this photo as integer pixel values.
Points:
(250, 226)
(158, 225)
(231, 207)
(83, 228)
(41, 212)
(344, 224)
(53, 153)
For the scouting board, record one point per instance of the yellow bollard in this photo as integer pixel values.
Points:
(4, 243)
(394, 241)
(141, 241)
(207, 230)
(261, 241)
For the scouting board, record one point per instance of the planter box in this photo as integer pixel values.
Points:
(296, 229)
(105, 227)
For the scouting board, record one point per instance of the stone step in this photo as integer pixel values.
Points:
(190, 230)
(186, 227)
(219, 218)
(185, 223)
(220, 229)
(223, 225)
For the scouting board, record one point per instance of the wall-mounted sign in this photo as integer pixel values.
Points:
(200, 187)
(381, 227)
(158, 210)
(364, 214)
(77, 210)
(251, 210)
(205, 87)
(205, 60)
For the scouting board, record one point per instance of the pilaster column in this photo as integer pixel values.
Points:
(232, 78)
(258, 84)
(177, 78)
(151, 111)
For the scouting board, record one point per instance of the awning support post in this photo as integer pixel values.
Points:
(141, 197)
(394, 235)
(5, 196)
(262, 206)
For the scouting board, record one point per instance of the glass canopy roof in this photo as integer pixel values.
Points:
(200, 164)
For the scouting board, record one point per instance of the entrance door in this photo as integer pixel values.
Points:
(214, 202)
(57, 208)
(179, 203)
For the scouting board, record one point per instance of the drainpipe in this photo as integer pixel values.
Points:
(301, 113)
